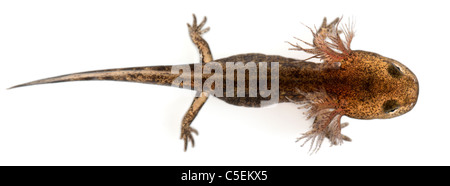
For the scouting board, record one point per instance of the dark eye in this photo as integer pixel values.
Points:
(390, 106)
(394, 71)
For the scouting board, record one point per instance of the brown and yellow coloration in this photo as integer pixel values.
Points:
(357, 84)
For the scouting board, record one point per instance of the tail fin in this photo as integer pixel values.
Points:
(160, 75)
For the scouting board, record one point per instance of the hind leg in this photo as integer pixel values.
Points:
(195, 32)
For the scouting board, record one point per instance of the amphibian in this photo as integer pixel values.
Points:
(353, 83)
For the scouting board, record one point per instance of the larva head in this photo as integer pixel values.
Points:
(383, 87)
(367, 85)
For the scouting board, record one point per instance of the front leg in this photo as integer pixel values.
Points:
(196, 31)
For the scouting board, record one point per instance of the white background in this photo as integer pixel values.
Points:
(118, 123)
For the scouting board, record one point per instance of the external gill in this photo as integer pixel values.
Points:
(327, 44)
(327, 122)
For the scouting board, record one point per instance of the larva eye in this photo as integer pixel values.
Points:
(390, 106)
(394, 71)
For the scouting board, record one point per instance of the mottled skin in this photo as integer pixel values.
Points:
(354, 83)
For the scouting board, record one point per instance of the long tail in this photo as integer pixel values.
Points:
(160, 75)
